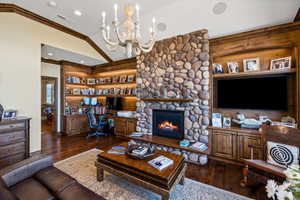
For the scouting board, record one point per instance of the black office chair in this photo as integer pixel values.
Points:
(97, 125)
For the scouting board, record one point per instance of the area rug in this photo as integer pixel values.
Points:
(82, 168)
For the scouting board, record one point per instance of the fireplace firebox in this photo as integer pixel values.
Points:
(168, 123)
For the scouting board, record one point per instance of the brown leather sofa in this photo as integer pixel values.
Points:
(37, 179)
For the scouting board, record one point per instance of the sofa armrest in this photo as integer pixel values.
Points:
(24, 169)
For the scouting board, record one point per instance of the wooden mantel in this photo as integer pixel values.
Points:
(167, 100)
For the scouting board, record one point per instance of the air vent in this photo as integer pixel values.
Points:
(61, 17)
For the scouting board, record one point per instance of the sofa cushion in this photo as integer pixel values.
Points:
(24, 169)
(29, 189)
(78, 192)
(5, 194)
(54, 179)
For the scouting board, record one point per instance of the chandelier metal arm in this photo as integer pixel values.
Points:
(105, 36)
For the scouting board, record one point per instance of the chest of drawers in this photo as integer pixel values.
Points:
(14, 140)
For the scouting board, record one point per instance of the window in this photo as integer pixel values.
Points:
(49, 93)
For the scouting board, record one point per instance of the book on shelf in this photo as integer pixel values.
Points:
(161, 162)
(137, 134)
(199, 146)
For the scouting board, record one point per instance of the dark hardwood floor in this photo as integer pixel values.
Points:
(215, 173)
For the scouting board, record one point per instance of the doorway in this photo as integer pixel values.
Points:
(49, 101)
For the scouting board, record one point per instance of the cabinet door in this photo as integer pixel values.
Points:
(120, 127)
(131, 126)
(224, 144)
(244, 152)
(84, 126)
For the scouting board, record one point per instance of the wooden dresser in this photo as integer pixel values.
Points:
(124, 126)
(75, 124)
(232, 144)
(14, 140)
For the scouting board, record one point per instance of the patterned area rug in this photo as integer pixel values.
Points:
(82, 168)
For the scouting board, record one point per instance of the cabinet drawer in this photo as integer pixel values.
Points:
(12, 149)
(11, 138)
(12, 126)
(11, 159)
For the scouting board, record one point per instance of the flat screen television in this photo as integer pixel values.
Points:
(260, 93)
(114, 103)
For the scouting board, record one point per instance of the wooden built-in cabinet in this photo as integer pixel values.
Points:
(75, 124)
(124, 126)
(14, 141)
(233, 144)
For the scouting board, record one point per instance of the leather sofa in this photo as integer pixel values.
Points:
(37, 179)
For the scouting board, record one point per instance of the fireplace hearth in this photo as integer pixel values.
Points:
(168, 123)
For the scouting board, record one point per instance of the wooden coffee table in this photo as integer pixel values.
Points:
(141, 173)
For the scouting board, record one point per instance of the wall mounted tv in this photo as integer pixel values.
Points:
(114, 103)
(259, 93)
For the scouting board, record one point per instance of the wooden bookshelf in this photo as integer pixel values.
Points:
(167, 100)
(254, 73)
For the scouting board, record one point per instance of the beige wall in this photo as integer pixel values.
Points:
(20, 68)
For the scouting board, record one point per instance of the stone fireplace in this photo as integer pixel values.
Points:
(167, 123)
(176, 68)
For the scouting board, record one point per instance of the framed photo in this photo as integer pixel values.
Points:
(130, 78)
(233, 67)
(217, 120)
(9, 114)
(251, 64)
(281, 63)
(123, 79)
(115, 79)
(218, 68)
(91, 81)
(226, 122)
(76, 91)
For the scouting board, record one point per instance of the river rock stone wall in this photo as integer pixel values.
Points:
(177, 68)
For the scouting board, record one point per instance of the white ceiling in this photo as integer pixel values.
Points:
(58, 54)
(180, 16)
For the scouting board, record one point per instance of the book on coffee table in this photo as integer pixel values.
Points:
(161, 162)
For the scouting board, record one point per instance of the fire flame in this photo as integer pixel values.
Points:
(167, 125)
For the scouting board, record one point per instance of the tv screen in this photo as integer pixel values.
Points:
(114, 103)
(262, 93)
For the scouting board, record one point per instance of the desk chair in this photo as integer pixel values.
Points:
(98, 126)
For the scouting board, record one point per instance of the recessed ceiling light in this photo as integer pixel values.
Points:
(77, 12)
(50, 54)
(82, 61)
(219, 8)
(161, 26)
(52, 4)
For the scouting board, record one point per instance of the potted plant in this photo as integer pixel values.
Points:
(290, 189)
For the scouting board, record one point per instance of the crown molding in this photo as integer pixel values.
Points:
(16, 9)
(63, 62)
(259, 32)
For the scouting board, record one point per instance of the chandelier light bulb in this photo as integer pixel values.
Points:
(103, 18)
(116, 12)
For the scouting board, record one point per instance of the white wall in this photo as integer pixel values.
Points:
(20, 68)
(52, 70)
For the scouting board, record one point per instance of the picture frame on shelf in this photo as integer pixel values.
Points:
(130, 78)
(91, 81)
(252, 64)
(122, 91)
(233, 67)
(76, 91)
(9, 114)
(123, 79)
(281, 64)
(128, 91)
(115, 79)
(226, 122)
(218, 68)
(217, 120)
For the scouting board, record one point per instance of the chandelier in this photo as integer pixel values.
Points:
(130, 38)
